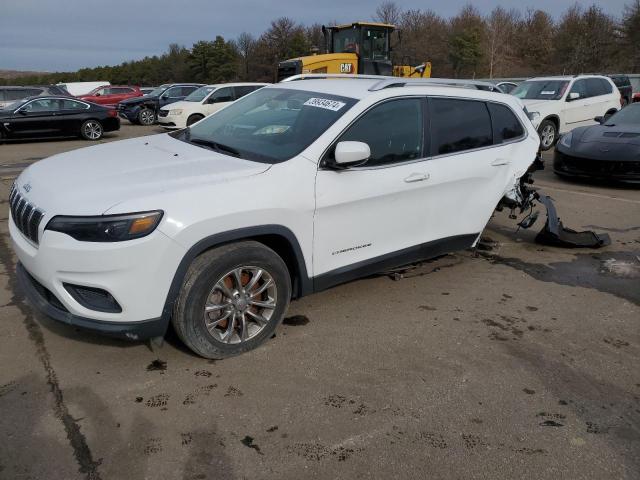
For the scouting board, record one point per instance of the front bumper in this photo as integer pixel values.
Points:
(129, 113)
(570, 166)
(47, 303)
(136, 273)
(171, 121)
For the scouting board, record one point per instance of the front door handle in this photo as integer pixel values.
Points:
(417, 177)
(500, 161)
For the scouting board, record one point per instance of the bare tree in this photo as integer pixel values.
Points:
(388, 12)
(246, 45)
(501, 27)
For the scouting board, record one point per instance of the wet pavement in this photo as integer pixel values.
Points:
(514, 361)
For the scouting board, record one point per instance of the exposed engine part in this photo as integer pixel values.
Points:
(523, 197)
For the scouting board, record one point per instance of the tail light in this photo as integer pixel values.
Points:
(112, 112)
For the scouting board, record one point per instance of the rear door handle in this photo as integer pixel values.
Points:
(500, 161)
(417, 177)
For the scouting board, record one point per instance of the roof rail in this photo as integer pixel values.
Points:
(316, 76)
(392, 82)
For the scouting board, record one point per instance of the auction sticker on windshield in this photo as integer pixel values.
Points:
(325, 103)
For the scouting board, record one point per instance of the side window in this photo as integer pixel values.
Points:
(606, 86)
(221, 95)
(44, 105)
(34, 92)
(580, 87)
(243, 90)
(173, 92)
(505, 124)
(187, 90)
(595, 87)
(121, 90)
(103, 91)
(393, 130)
(72, 105)
(17, 94)
(459, 125)
(2, 95)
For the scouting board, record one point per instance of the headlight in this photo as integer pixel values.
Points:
(107, 228)
(565, 140)
(177, 111)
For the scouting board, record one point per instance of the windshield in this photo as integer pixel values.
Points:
(199, 94)
(158, 91)
(346, 40)
(270, 125)
(630, 115)
(541, 89)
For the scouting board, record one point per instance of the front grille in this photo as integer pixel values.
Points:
(585, 166)
(25, 215)
(163, 113)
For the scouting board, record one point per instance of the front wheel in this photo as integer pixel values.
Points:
(232, 299)
(146, 117)
(548, 134)
(193, 119)
(91, 130)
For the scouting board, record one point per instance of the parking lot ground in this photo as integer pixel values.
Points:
(516, 361)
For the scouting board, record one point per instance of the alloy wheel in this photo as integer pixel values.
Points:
(92, 130)
(548, 135)
(240, 304)
(147, 117)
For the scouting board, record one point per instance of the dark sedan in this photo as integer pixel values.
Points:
(56, 116)
(610, 150)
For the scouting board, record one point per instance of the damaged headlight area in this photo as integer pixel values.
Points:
(107, 228)
(523, 196)
(565, 140)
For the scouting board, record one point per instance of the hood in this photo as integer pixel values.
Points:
(92, 180)
(615, 134)
(537, 105)
(179, 104)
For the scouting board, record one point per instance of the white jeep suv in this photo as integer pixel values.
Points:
(557, 105)
(292, 189)
(203, 102)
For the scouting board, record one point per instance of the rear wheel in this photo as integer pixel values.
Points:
(232, 299)
(91, 130)
(548, 134)
(146, 116)
(194, 118)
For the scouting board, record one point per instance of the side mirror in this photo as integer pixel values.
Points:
(164, 97)
(351, 153)
(573, 96)
(98, 94)
(23, 111)
(599, 119)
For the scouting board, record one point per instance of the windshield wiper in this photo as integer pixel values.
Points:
(213, 145)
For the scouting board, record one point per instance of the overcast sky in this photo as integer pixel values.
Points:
(65, 35)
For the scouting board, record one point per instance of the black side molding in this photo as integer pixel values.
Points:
(394, 259)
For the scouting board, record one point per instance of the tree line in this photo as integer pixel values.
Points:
(503, 43)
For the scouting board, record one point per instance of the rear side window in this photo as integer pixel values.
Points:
(243, 90)
(606, 86)
(595, 87)
(459, 125)
(393, 130)
(120, 90)
(506, 125)
(17, 94)
(73, 105)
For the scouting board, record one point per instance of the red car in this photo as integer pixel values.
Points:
(111, 95)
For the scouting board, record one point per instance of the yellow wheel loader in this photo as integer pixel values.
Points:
(356, 48)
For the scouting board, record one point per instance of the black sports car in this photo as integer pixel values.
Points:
(51, 116)
(610, 150)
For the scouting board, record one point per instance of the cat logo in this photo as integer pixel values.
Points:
(346, 68)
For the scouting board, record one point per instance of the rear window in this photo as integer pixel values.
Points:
(458, 125)
(506, 125)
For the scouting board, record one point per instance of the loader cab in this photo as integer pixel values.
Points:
(369, 41)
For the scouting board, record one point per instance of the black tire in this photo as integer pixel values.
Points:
(146, 116)
(548, 132)
(91, 130)
(196, 117)
(608, 115)
(199, 287)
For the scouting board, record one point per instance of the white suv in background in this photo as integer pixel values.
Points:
(293, 189)
(557, 105)
(202, 103)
